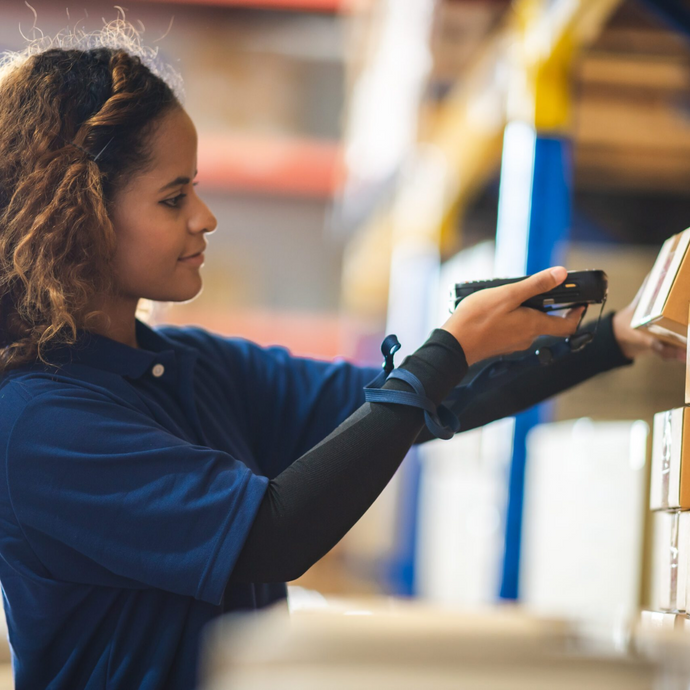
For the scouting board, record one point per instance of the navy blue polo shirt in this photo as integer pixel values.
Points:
(130, 479)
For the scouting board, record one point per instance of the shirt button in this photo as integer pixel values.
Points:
(158, 370)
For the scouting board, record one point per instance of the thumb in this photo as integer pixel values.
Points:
(536, 284)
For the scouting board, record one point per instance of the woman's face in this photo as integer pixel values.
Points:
(158, 219)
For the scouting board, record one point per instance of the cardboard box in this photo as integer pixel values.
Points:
(665, 564)
(663, 306)
(670, 479)
(672, 561)
(659, 620)
(682, 591)
(687, 367)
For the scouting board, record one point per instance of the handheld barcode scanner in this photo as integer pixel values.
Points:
(580, 288)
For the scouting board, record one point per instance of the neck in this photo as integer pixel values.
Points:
(121, 325)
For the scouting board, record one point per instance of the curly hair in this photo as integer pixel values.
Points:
(76, 116)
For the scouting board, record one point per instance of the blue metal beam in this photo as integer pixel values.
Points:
(548, 229)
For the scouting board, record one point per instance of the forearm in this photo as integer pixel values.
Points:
(535, 385)
(310, 506)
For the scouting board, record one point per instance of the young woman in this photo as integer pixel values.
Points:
(154, 478)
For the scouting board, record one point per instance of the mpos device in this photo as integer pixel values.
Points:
(580, 288)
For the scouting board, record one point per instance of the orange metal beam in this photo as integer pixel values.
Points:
(328, 6)
(297, 167)
(305, 334)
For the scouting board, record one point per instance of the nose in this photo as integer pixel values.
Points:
(204, 220)
(211, 224)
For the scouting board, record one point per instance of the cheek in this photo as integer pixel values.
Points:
(144, 248)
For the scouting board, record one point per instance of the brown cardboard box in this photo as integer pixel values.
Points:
(659, 620)
(665, 565)
(671, 560)
(663, 306)
(670, 480)
(687, 367)
(682, 598)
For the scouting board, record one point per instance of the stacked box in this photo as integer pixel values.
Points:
(669, 497)
(670, 485)
(661, 620)
(664, 311)
(663, 306)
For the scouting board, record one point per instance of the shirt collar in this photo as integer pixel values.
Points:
(101, 352)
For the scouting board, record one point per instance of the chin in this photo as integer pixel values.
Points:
(179, 293)
(186, 297)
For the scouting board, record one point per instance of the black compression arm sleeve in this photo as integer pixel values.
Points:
(310, 506)
(536, 385)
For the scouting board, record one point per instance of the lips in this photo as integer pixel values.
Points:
(189, 256)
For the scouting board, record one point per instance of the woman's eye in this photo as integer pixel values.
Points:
(172, 202)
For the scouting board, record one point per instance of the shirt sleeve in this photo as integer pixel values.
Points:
(290, 403)
(106, 496)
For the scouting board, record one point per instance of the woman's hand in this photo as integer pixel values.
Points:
(492, 322)
(633, 342)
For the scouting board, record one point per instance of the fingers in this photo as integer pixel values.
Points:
(647, 341)
(576, 313)
(535, 284)
(580, 311)
(560, 327)
(666, 351)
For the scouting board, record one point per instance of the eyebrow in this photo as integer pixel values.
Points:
(177, 181)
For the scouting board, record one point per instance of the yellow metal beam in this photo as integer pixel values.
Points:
(519, 74)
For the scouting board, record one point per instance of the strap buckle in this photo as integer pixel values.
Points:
(440, 421)
(389, 347)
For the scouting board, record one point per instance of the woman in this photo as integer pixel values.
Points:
(155, 478)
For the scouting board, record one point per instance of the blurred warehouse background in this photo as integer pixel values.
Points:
(363, 155)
